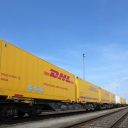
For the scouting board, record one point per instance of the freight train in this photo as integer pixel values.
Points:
(31, 85)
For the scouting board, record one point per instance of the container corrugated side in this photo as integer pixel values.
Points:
(87, 92)
(29, 76)
(104, 96)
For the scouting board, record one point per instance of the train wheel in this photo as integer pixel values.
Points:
(8, 112)
(20, 114)
(35, 111)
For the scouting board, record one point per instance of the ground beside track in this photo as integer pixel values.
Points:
(61, 122)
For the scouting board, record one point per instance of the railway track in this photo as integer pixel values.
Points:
(43, 116)
(113, 120)
(62, 120)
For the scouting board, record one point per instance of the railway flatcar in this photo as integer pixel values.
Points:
(118, 101)
(31, 85)
(87, 93)
(104, 98)
(123, 101)
(112, 99)
(26, 79)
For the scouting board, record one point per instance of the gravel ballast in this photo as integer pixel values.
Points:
(62, 122)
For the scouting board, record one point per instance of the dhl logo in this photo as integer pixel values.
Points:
(93, 89)
(106, 94)
(61, 76)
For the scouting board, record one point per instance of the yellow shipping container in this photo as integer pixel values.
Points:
(86, 92)
(104, 96)
(122, 100)
(23, 74)
(112, 98)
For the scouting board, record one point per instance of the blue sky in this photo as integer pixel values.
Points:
(59, 31)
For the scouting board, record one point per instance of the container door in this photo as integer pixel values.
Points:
(3, 64)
